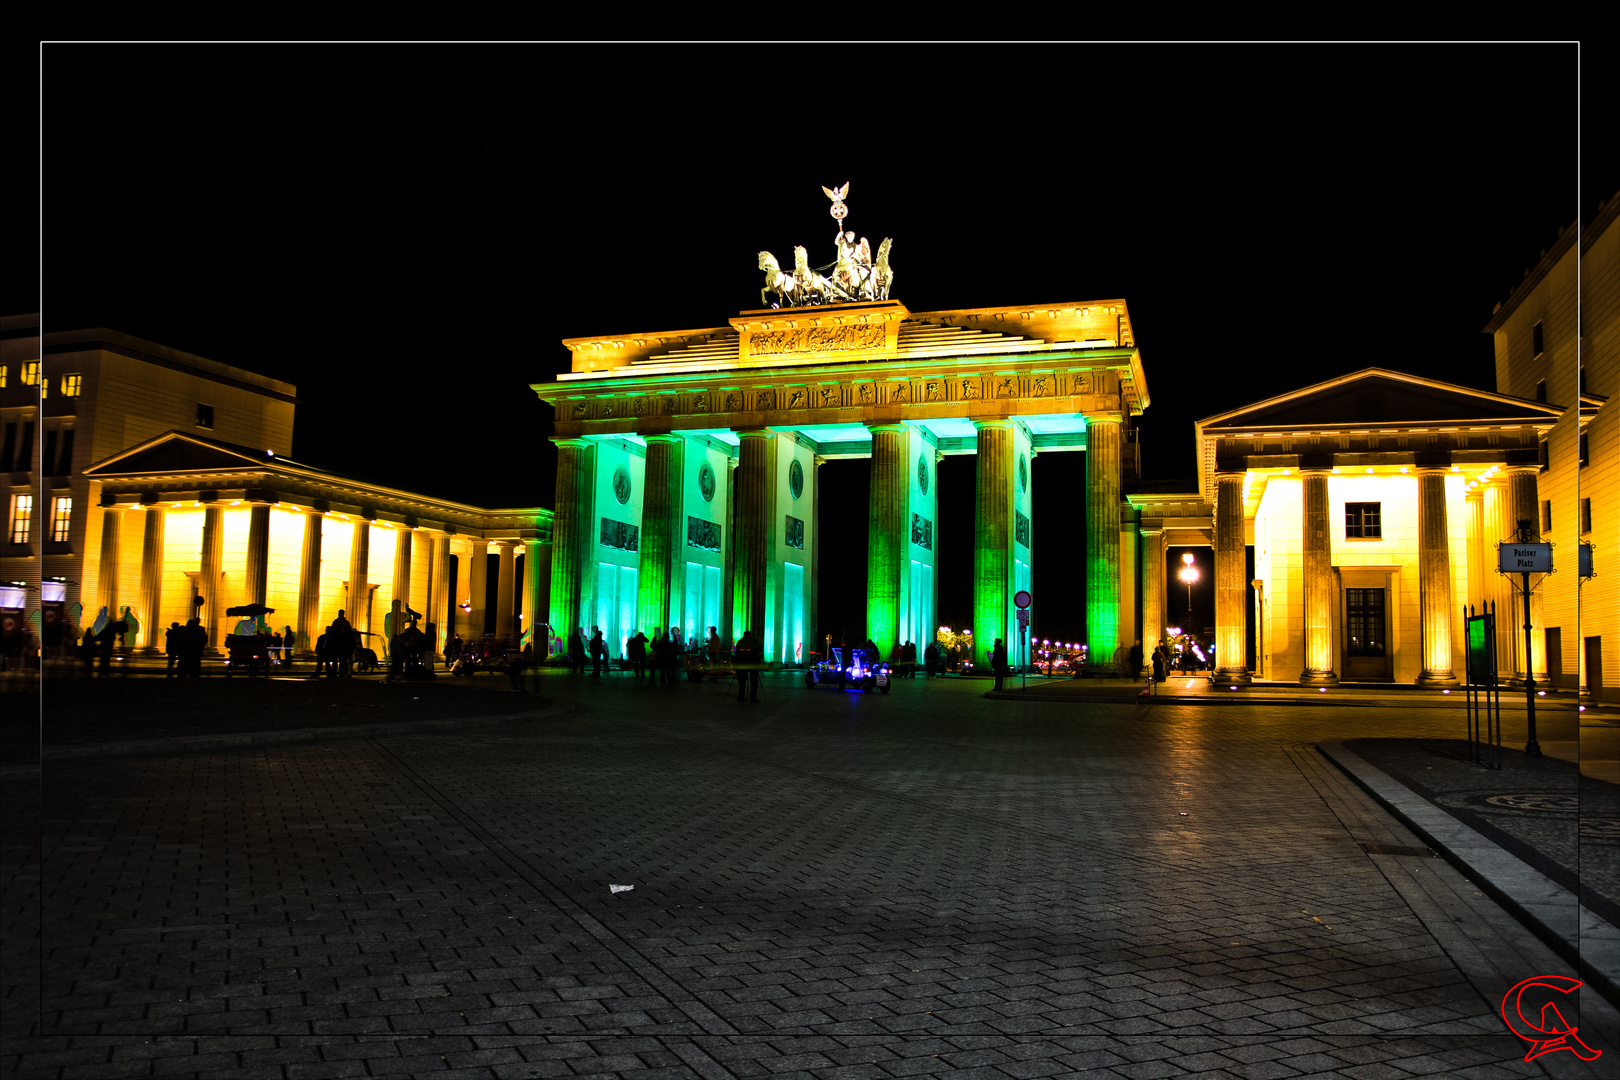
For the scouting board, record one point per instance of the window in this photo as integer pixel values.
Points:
(1546, 516)
(1541, 391)
(3, 369)
(61, 518)
(44, 389)
(1583, 449)
(1543, 455)
(30, 373)
(64, 465)
(1363, 521)
(1364, 622)
(1586, 516)
(1536, 342)
(22, 518)
(205, 415)
(72, 385)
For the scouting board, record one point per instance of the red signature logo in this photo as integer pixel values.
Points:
(1553, 1032)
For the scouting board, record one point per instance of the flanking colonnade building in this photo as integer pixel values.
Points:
(688, 483)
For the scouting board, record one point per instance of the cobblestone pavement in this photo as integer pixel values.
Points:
(824, 884)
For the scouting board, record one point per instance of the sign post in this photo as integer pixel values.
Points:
(1022, 600)
(1482, 702)
(1525, 557)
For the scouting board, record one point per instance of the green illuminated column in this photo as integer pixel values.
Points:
(536, 579)
(570, 530)
(1522, 501)
(1318, 573)
(814, 627)
(1231, 600)
(1434, 577)
(756, 514)
(992, 538)
(1102, 539)
(152, 628)
(887, 534)
(660, 511)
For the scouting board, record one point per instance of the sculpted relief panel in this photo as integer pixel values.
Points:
(816, 339)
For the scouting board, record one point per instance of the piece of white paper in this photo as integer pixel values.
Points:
(620, 888)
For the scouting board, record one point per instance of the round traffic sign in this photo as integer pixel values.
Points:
(1021, 598)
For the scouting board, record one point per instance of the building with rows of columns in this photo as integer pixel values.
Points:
(687, 487)
(146, 478)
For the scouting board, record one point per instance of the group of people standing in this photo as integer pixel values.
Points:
(665, 653)
(334, 650)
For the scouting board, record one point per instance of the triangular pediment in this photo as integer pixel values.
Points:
(176, 451)
(1378, 398)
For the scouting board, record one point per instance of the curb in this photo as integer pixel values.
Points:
(1555, 915)
(188, 743)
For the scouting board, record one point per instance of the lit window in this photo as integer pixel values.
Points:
(30, 373)
(1363, 521)
(44, 389)
(3, 369)
(71, 385)
(22, 518)
(61, 518)
(205, 415)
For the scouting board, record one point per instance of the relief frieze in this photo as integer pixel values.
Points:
(766, 399)
(816, 339)
(796, 400)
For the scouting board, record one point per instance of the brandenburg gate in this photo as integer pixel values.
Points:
(688, 488)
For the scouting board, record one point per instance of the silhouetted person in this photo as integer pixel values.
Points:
(171, 646)
(598, 651)
(636, 650)
(576, 651)
(193, 640)
(745, 662)
(998, 663)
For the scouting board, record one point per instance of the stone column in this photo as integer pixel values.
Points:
(1102, 540)
(359, 611)
(570, 528)
(1474, 504)
(1522, 499)
(441, 610)
(506, 590)
(1152, 593)
(536, 577)
(887, 534)
(1231, 605)
(478, 588)
(152, 580)
(756, 518)
(1316, 537)
(107, 575)
(992, 537)
(403, 539)
(258, 553)
(816, 630)
(210, 572)
(309, 625)
(1498, 589)
(660, 532)
(1434, 577)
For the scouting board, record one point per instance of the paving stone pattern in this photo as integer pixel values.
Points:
(829, 885)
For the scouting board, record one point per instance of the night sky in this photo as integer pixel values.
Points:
(407, 232)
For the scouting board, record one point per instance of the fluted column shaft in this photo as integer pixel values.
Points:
(258, 553)
(359, 575)
(1499, 588)
(536, 577)
(1231, 602)
(439, 611)
(309, 585)
(755, 518)
(209, 571)
(152, 579)
(404, 540)
(1316, 536)
(816, 629)
(477, 562)
(1152, 592)
(887, 534)
(107, 584)
(1102, 540)
(1522, 499)
(1434, 578)
(660, 534)
(992, 537)
(570, 523)
(506, 590)
(1474, 505)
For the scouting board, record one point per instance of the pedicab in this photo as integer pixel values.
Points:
(860, 672)
(248, 649)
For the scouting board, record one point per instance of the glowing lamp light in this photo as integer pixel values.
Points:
(1369, 470)
(1322, 690)
(1541, 693)
(1445, 691)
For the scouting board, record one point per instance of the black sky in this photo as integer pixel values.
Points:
(407, 232)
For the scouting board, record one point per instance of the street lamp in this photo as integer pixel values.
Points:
(1189, 574)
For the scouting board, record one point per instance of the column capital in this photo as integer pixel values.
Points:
(1430, 470)
(1104, 418)
(752, 433)
(1149, 531)
(894, 425)
(1520, 469)
(572, 442)
(664, 439)
(992, 425)
(1315, 470)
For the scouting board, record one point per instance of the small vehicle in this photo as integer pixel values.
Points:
(365, 660)
(859, 673)
(248, 653)
(479, 656)
(700, 665)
